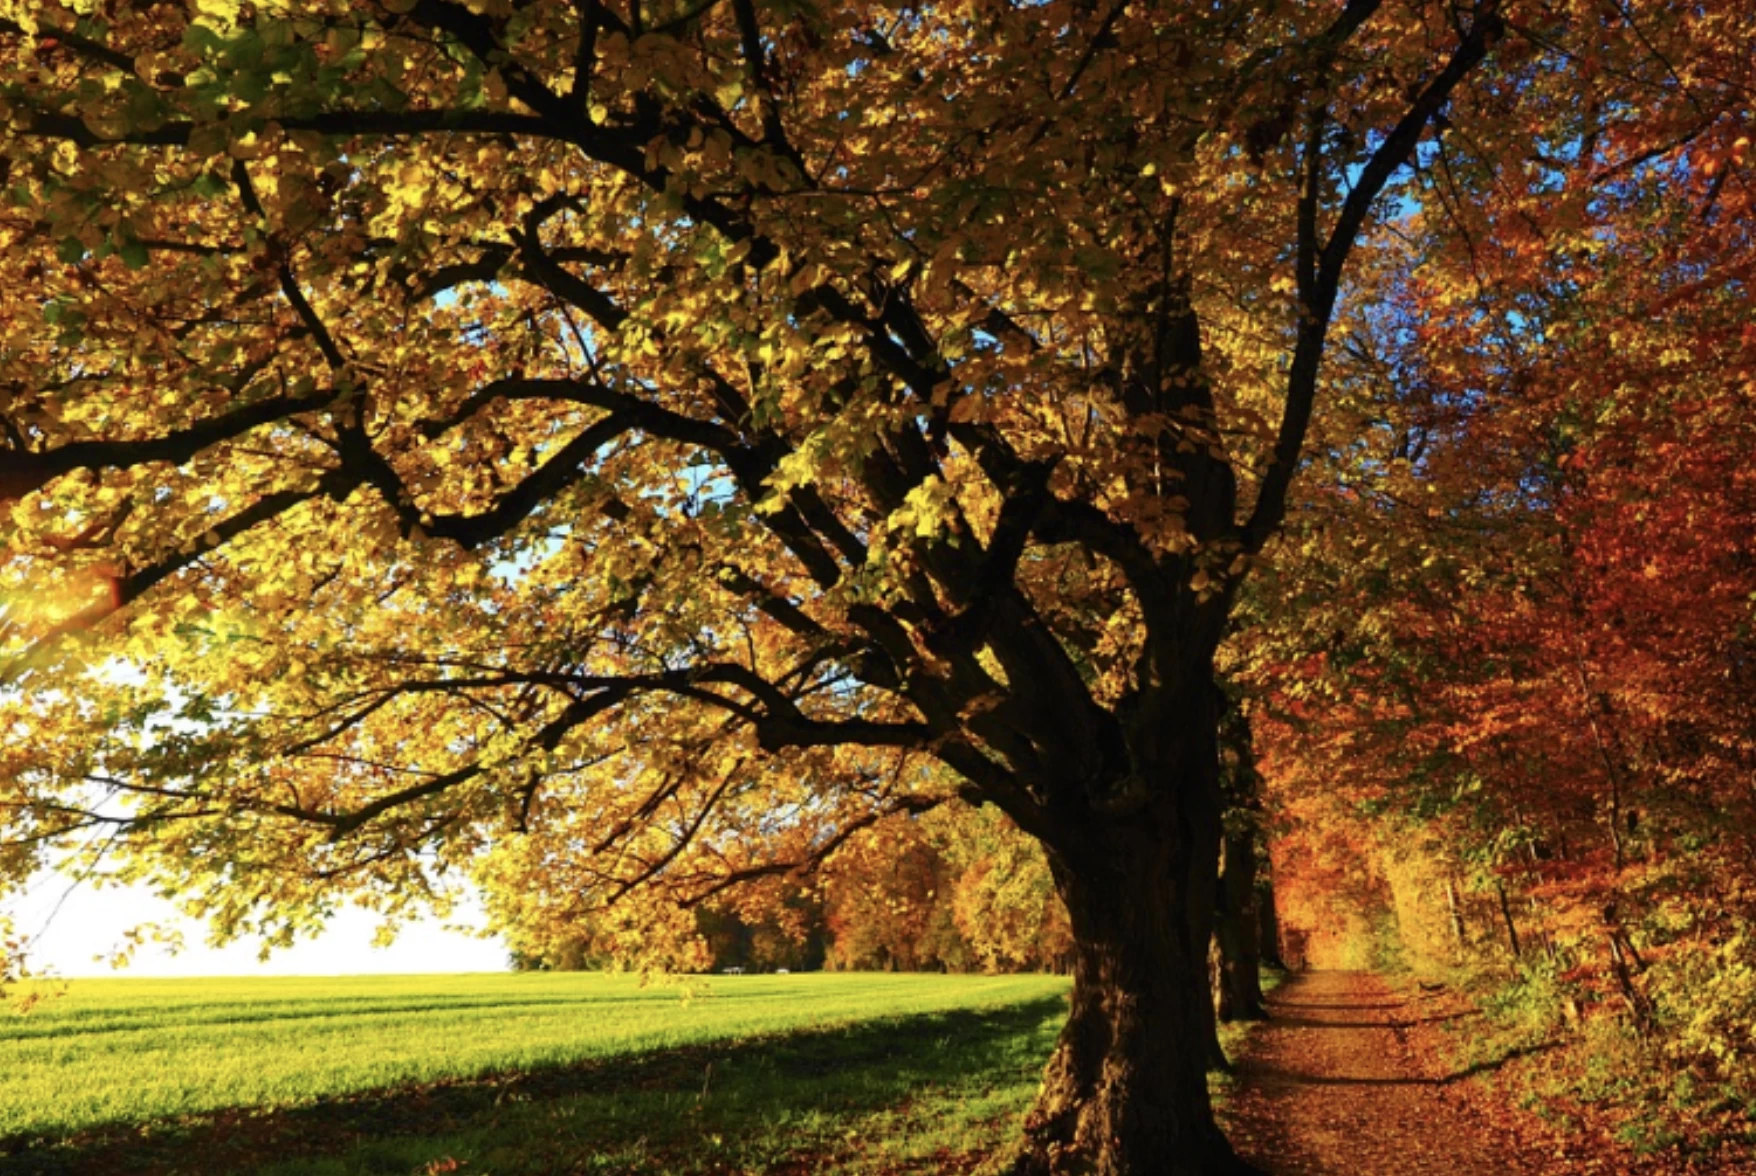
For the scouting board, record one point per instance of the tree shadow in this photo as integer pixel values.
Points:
(1271, 1077)
(1309, 1022)
(1435, 1019)
(869, 1066)
(1492, 1064)
(1363, 1006)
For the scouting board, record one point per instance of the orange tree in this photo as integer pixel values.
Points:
(620, 449)
(1533, 644)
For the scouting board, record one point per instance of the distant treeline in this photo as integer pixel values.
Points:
(944, 892)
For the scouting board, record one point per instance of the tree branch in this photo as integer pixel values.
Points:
(24, 473)
(1316, 310)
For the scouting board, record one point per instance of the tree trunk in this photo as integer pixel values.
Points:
(1511, 927)
(1240, 990)
(1125, 1092)
(1200, 799)
(1459, 934)
(1202, 901)
(1268, 926)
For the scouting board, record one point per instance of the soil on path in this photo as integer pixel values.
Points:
(1349, 1077)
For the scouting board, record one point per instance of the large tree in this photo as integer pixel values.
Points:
(625, 448)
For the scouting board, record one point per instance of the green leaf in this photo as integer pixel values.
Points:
(71, 250)
(134, 255)
(209, 185)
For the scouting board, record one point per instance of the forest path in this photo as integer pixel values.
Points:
(1349, 1077)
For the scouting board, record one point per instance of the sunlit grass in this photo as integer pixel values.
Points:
(935, 1093)
(132, 1051)
(858, 1075)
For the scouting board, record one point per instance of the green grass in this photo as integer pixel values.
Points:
(533, 1075)
(523, 1074)
(1234, 1035)
(938, 1093)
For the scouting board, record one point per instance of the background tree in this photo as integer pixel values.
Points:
(1237, 922)
(1505, 661)
(948, 891)
(624, 451)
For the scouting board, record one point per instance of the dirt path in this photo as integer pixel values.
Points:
(1348, 1079)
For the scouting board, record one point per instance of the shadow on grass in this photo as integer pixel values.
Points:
(751, 1105)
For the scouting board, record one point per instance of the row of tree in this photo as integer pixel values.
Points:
(1509, 699)
(941, 892)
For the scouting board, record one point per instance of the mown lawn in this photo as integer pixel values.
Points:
(523, 1074)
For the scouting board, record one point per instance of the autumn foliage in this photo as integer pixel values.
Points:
(944, 892)
(1522, 741)
(628, 455)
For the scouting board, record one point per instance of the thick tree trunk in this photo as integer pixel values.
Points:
(1201, 817)
(1268, 926)
(1125, 1093)
(1240, 980)
(1238, 990)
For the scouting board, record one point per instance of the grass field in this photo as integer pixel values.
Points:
(522, 1074)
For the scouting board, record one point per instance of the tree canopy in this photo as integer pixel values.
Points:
(1508, 688)
(622, 451)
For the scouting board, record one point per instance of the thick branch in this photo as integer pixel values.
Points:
(130, 586)
(175, 133)
(565, 468)
(23, 473)
(1315, 313)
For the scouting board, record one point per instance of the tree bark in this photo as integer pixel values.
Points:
(1201, 819)
(1125, 1092)
(1268, 926)
(1240, 989)
(1459, 933)
(1511, 927)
